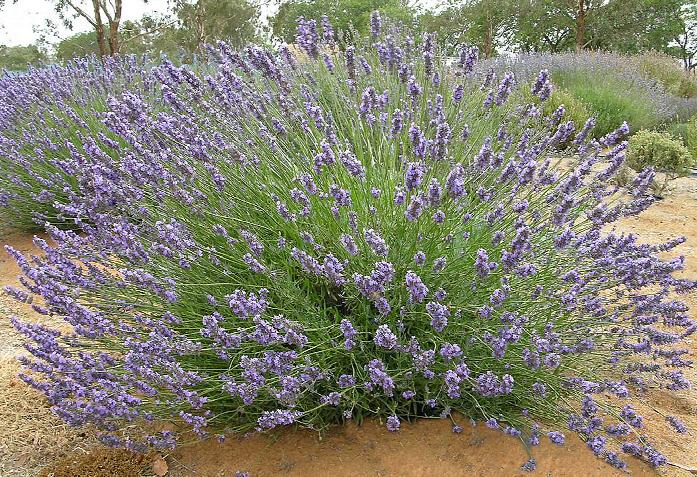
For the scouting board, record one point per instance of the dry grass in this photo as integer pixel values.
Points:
(101, 462)
(31, 436)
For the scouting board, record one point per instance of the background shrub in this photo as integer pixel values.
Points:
(679, 131)
(660, 151)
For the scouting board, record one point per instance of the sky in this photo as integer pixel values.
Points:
(19, 21)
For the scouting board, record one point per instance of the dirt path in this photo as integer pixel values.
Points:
(31, 437)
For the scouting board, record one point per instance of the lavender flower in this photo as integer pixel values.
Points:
(677, 424)
(327, 30)
(414, 175)
(556, 438)
(385, 338)
(375, 24)
(530, 465)
(376, 242)
(307, 36)
(439, 315)
(417, 289)
(349, 244)
(393, 423)
(415, 208)
(454, 183)
(482, 265)
(271, 419)
(346, 381)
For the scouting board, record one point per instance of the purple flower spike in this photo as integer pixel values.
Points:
(385, 338)
(375, 24)
(417, 289)
(556, 438)
(439, 315)
(376, 242)
(393, 423)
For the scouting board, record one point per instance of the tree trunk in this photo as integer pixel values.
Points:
(113, 38)
(683, 41)
(99, 29)
(114, 23)
(198, 21)
(581, 26)
(489, 37)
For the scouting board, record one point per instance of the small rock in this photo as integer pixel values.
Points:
(160, 467)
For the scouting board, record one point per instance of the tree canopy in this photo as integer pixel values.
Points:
(562, 25)
(669, 26)
(16, 58)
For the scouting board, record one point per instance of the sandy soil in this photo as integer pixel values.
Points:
(31, 438)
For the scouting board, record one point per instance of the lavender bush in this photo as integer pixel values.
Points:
(312, 236)
(44, 115)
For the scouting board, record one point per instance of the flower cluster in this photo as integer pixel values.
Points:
(279, 239)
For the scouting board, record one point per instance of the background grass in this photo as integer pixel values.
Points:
(610, 101)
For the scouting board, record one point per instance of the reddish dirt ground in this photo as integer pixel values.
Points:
(427, 447)
(31, 438)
